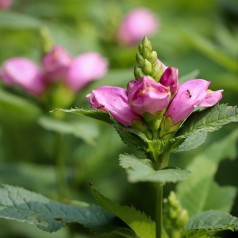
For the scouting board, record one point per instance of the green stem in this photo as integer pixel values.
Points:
(159, 209)
(162, 162)
(60, 166)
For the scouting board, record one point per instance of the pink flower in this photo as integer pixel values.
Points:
(86, 68)
(56, 63)
(146, 95)
(5, 4)
(113, 100)
(170, 79)
(191, 94)
(137, 23)
(24, 73)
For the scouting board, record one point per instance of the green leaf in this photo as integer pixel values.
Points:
(17, 106)
(210, 119)
(96, 114)
(209, 222)
(81, 129)
(192, 141)
(140, 223)
(15, 20)
(131, 137)
(200, 192)
(191, 75)
(25, 206)
(139, 170)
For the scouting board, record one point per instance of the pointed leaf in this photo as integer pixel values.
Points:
(85, 130)
(210, 119)
(140, 223)
(200, 191)
(96, 114)
(130, 137)
(17, 106)
(191, 142)
(210, 222)
(139, 170)
(25, 206)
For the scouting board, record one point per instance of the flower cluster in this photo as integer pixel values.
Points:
(57, 66)
(155, 97)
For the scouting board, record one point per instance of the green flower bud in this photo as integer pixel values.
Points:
(147, 67)
(147, 44)
(157, 71)
(139, 59)
(153, 57)
(146, 53)
(140, 48)
(138, 72)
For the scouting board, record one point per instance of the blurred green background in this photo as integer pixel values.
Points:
(198, 37)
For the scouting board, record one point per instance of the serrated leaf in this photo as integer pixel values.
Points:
(210, 119)
(131, 137)
(140, 223)
(200, 191)
(85, 130)
(139, 170)
(164, 146)
(25, 206)
(210, 222)
(96, 114)
(191, 142)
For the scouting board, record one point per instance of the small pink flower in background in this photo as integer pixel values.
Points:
(5, 4)
(146, 95)
(113, 100)
(191, 94)
(136, 24)
(56, 64)
(85, 68)
(24, 73)
(170, 79)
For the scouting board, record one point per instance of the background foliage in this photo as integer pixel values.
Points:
(195, 36)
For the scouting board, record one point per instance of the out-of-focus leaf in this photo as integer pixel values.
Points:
(209, 222)
(200, 191)
(17, 106)
(17, 20)
(86, 131)
(96, 114)
(139, 170)
(25, 206)
(191, 75)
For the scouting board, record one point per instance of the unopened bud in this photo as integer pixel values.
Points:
(147, 44)
(146, 52)
(139, 59)
(147, 67)
(153, 57)
(138, 72)
(140, 48)
(157, 71)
